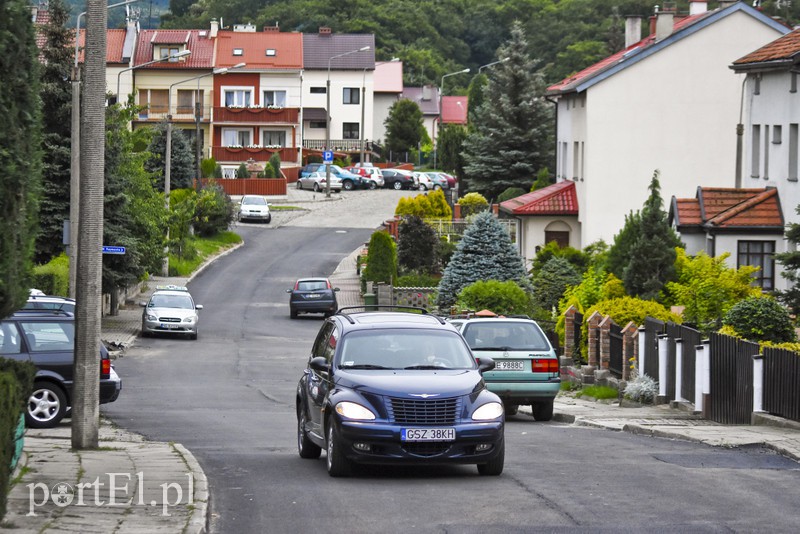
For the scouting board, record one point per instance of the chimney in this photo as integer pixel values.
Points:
(633, 29)
(272, 29)
(665, 21)
(214, 29)
(324, 30)
(696, 7)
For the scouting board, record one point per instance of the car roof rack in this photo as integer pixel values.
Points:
(384, 307)
(44, 311)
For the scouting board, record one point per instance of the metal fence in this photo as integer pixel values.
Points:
(652, 329)
(731, 394)
(782, 383)
(617, 358)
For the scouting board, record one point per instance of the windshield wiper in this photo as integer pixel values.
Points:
(426, 367)
(364, 366)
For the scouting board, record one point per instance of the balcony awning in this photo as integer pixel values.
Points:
(314, 114)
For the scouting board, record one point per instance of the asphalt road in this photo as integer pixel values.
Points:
(229, 398)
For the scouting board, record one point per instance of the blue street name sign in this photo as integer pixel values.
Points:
(327, 156)
(113, 250)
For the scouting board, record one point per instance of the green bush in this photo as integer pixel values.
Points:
(417, 280)
(268, 172)
(381, 259)
(275, 163)
(416, 246)
(472, 203)
(16, 384)
(503, 298)
(431, 205)
(213, 212)
(511, 192)
(761, 319)
(314, 158)
(53, 276)
(207, 167)
(242, 171)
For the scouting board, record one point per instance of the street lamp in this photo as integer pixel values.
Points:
(168, 148)
(492, 64)
(328, 116)
(176, 55)
(75, 158)
(441, 90)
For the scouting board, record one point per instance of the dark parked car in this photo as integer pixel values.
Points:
(386, 387)
(47, 338)
(312, 295)
(399, 179)
(349, 180)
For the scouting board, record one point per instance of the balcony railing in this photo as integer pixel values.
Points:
(339, 145)
(181, 114)
(257, 115)
(226, 153)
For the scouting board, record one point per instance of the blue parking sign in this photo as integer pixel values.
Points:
(327, 156)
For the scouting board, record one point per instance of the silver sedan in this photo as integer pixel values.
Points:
(316, 182)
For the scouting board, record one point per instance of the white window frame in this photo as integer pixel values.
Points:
(243, 96)
(227, 134)
(266, 131)
(281, 103)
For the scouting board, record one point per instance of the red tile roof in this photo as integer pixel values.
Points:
(454, 109)
(724, 207)
(114, 41)
(783, 48)
(288, 48)
(556, 199)
(197, 41)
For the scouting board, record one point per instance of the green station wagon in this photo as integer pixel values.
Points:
(526, 366)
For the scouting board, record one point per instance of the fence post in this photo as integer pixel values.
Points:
(678, 369)
(593, 339)
(628, 349)
(700, 367)
(663, 364)
(604, 329)
(758, 383)
(569, 332)
(642, 351)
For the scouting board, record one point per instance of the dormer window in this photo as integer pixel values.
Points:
(238, 52)
(169, 50)
(271, 52)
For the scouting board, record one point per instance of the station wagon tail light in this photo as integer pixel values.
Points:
(544, 365)
(329, 283)
(105, 367)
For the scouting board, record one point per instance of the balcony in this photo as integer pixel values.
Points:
(256, 115)
(227, 153)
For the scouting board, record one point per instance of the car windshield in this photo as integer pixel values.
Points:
(172, 301)
(404, 349)
(497, 335)
(312, 285)
(257, 201)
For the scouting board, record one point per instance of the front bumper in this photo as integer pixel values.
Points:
(385, 447)
(156, 327)
(255, 216)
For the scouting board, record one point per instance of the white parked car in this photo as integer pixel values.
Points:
(316, 182)
(254, 207)
(424, 181)
(170, 310)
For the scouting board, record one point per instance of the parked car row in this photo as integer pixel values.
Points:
(369, 177)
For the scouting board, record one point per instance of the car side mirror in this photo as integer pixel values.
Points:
(336, 289)
(485, 364)
(320, 365)
(288, 290)
(143, 303)
(198, 307)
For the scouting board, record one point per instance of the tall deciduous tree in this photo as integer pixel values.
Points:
(20, 152)
(404, 128)
(512, 129)
(57, 57)
(652, 255)
(485, 252)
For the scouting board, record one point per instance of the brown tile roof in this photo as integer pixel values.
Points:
(454, 109)
(197, 41)
(427, 98)
(556, 199)
(723, 207)
(782, 49)
(287, 47)
(114, 42)
(319, 48)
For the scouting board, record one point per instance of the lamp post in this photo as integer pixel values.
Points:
(441, 90)
(168, 148)
(328, 116)
(176, 55)
(492, 64)
(75, 157)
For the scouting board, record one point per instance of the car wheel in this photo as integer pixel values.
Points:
(299, 185)
(338, 465)
(347, 185)
(269, 219)
(542, 411)
(437, 187)
(305, 447)
(372, 185)
(494, 467)
(422, 187)
(511, 409)
(46, 405)
(398, 185)
(193, 335)
(316, 187)
(292, 313)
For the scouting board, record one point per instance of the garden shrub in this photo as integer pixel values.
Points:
(242, 171)
(416, 247)
(431, 205)
(417, 280)
(207, 167)
(381, 259)
(552, 280)
(472, 203)
(213, 212)
(579, 259)
(16, 385)
(503, 298)
(761, 319)
(268, 172)
(641, 389)
(53, 276)
(275, 163)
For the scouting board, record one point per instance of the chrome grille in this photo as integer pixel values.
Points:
(424, 411)
(169, 319)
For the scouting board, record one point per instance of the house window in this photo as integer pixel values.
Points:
(156, 100)
(793, 147)
(757, 85)
(234, 137)
(273, 138)
(561, 238)
(793, 88)
(238, 52)
(274, 98)
(583, 161)
(318, 90)
(187, 100)
(237, 97)
(352, 95)
(755, 147)
(167, 51)
(576, 152)
(316, 124)
(777, 134)
(759, 254)
(564, 160)
(350, 130)
(766, 151)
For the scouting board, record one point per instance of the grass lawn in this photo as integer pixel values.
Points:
(205, 247)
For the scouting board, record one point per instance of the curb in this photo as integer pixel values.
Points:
(199, 519)
(212, 259)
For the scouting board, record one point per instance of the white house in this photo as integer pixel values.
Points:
(667, 102)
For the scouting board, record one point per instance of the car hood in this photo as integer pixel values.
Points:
(180, 313)
(444, 383)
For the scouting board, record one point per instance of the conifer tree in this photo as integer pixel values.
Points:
(182, 164)
(620, 251)
(381, 258)
(404, 127)
(57, 57)
(416, 246)
(512, 129)
(485, 252)
(791, 269)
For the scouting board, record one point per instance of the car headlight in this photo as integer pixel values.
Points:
(151, 317)
(189, 319)
(487, 412)
(351, 410)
